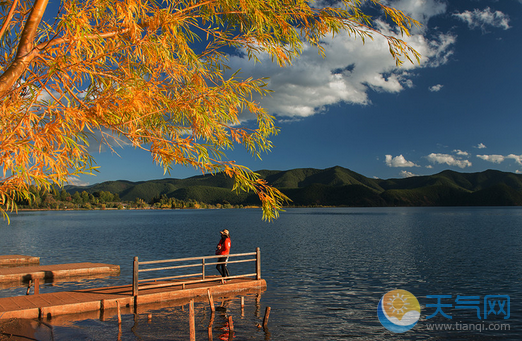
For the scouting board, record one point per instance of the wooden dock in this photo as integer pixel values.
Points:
(18, 260)
(17, 275)
(141, 293)
(97, 301)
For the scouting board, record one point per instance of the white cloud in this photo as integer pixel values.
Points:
(406, 174)
(492, 158)
(420, 10)
(517, 158)
(481, 19)
(481, 146)
(349, 70)
(501, 158)
(460, 152)
(436, 88)
(450, 160)
(77, 182)
(399, 161)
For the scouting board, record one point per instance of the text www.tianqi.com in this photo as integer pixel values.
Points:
(479, 327)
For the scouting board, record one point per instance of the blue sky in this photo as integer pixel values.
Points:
(459, 109)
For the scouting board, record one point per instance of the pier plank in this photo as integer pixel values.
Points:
(18, 260)
(49, 305)
(56, 271)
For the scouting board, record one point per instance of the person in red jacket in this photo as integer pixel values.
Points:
(223, 248)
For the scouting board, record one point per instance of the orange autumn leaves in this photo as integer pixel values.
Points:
(153, 75)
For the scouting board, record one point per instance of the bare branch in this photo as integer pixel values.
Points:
(8, 18)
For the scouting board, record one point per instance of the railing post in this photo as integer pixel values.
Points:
(135, 277)
(203, 270)
(258, 263)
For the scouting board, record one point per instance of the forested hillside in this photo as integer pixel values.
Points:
(335, 186)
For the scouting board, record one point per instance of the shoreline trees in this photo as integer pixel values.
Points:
(42, 199)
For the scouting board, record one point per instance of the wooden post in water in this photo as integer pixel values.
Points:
(203, 269)
(258, 263)
(210, 323)
(102, 310)
(192, 321)
(36, 286)
(135, 277)
(258, 305)
(210, 301)
(267, 315)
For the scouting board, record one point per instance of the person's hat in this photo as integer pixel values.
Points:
(225, 232)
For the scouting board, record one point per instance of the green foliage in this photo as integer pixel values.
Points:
(43, 199)
(499, 194)
(335, 186)
(338, 186)
(437, 195)
(302, 177)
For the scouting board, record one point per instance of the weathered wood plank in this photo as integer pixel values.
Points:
(56, 271)
(18, 260)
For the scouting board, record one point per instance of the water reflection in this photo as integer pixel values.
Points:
(169, 321)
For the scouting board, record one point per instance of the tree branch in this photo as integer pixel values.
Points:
(26, 52)
(8, 18)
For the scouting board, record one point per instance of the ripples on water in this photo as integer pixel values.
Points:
(326, 269)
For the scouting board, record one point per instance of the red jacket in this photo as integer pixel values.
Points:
(223, 247)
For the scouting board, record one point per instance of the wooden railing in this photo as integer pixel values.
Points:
(203, 263)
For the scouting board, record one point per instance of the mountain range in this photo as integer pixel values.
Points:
(336, 186)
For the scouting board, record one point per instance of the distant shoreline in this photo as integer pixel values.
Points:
(331, 187)
(130, 209)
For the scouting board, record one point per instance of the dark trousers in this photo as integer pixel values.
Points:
(222, 268)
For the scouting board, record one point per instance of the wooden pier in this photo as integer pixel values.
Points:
(96, 301)
(141, 292)
(18, 275)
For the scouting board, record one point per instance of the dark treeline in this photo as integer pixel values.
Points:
(306, 187)
(55, 199)
(60, 199)
(336, 186)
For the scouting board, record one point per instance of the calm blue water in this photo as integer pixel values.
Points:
(326, 269)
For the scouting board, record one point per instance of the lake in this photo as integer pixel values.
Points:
(326, 268)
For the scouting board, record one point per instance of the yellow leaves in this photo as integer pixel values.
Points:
(245, 180)
(155, 75)
(38, 149)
